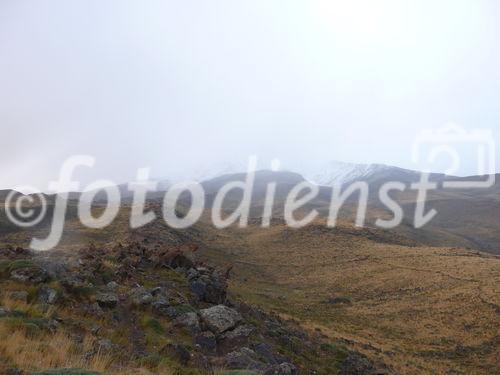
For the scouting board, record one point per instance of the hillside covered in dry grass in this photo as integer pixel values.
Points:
(423, 310)
(389, 296)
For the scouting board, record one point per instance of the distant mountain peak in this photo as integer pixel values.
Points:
(208, 172)
(340, 173)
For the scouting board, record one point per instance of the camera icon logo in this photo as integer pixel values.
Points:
(449, 145)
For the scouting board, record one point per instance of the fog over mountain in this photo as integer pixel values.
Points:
(178, 86)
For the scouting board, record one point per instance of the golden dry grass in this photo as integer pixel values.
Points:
(423, 310)
(57, 350)
(22, 348)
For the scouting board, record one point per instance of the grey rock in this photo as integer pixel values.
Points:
(236, 338)
(281, 369)
(192, 274)
(158, 291)
(55, 268)
(208, 285)
(220, 319)
(47, 295)
(171, 312)
(199, 288)
(3, 312)
(356, 364)
(140, 296)
(266, 354)
(207, 342)
(112, 286)
(161, 305)
(189, 321)
(243, 359)
(107, 300)
(34, 275)
(216, 291)
(203, 270)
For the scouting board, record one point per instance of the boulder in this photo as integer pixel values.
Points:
(161, 305)
(243, 359)
(190, 321)
(140, 296)
(192, 273)
(112, 286)
(47, 295)
(158, 291)
(266, 353)
(208, 285)
(220, 319)
(281, 369)
(356, 364)
(171, 312)
(206, 342)
(107, 300)
(236, 338)
(216, 292)
(199, 288)
(32, 274)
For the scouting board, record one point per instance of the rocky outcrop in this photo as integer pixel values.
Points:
(208, 284)
(141, 298)
(220, 318)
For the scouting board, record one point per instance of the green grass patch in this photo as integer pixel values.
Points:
(155, 326)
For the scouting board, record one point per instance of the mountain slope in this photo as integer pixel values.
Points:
(340, 173)
(416, 308)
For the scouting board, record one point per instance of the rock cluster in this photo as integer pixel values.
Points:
(132, 289)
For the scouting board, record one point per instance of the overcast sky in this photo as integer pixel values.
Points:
(174, 84)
